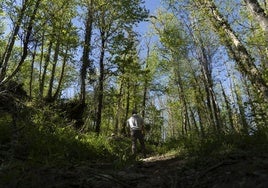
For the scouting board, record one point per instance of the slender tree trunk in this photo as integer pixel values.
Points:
(216, 110)
(41, 63)
(261, 17)
(25, 46)
(258, 13)
(32, 71)
(58, 89)
(46, 63)
(127, 107)
(206, 69)
(101, 84)
(235, 47)
(118, 108)
(259, 112)
(145, 83)
(202, 130)
(228, 109)
(201, 111)
(185, 113)
(144, 97)
(200, 103)
(242, 113)
(49, 97)
(86, 52)
(43, 77)
(194, 121)
(7, 53)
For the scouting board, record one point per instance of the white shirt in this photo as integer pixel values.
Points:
(135, 122)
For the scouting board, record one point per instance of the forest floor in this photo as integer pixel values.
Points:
(239, 169)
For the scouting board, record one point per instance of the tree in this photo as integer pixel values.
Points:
(173, 50)
(259, 13)
(235, 47)
(64, 36)
(86, 61)
(26, 40)
(124, 59)
(114, 17)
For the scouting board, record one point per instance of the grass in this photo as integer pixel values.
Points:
(45, 140)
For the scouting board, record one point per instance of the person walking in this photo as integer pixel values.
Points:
(135, 126)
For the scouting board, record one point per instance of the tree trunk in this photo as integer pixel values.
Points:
(213, 108)
(32, 71)
(101, 84)
(118, 108)
(43, 77)
(242, 113)
(49, 97)
(145, 83)
(58, 89)
(127, 107)
(235, 47)
(228, 109)
(41, 63)
(259, 112)
(7, 53)
(86, 53)
(25, 46)
(262, 18)
(185, 113)
(201, 111)
(258, 13)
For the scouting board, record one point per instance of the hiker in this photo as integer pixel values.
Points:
(135, 126)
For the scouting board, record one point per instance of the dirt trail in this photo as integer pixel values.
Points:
(245, 171)
(155, 171)
(237, 171)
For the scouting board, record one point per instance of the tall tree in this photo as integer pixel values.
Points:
(86, 62)
(259, 13)
(235, 46)
(205, 55)
(63, 37)
(114, 16)
(26, 40)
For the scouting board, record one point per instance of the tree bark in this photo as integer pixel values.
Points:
(242, 111)
(124, 131)
(49, 97)
(185, 112)
(101, 83)
(228, 109)
(86, 53)
(235, 47)
(145, 89)
(26, 41)
(43, 77)
(58, 89)
(258, 13)
(7, 53)
(205, 61)
(118, 108)
(32, 70)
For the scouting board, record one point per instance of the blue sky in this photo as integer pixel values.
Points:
(143, 27)
(152, 5)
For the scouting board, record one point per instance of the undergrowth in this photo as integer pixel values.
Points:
(45, 139)
(219, 146)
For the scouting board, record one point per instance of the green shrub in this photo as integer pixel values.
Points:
(5, 129)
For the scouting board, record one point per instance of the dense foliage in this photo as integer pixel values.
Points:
(72, 71)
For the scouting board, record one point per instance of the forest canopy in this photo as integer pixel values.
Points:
(199, 71)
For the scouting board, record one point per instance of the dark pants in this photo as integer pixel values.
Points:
(137, 135)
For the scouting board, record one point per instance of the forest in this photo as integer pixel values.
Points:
(72, 71)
